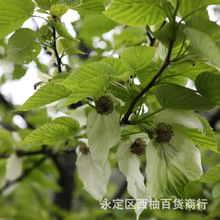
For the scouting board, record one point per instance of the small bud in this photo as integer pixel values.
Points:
(83, 148)
(138, 147)
(104, 105)
(164, 133)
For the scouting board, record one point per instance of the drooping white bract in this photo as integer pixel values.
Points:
(129, 164)
(13, 171)
(13, 167)
(95, 176)
(103, 132)
(172, 159)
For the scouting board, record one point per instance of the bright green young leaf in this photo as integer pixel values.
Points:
(13, 13)
(58, 10)
(206, 139)
(116, 64)
(89, 78)
(48, 93)
(47, 134)
(136, 58)
(45, 34)
(216, 191)
(208, 85)
(67, 121)
(136, 12)
(90, 7)
(204, 45)
(178, 97)
(212, 176)
(22, 47)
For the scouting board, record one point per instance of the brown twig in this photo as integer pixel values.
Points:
(55, 51)
(151, 83)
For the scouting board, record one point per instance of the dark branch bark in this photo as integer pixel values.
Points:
(163, 67)
(55, 51)
(25, 174)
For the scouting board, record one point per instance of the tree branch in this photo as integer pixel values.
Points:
(55, 51)
(25, 173)
(151, 84)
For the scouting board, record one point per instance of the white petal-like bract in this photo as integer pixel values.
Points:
(94, 176)
(103, 132)
(183, 118)
(129, 165)
(170, 166)
(13, 167)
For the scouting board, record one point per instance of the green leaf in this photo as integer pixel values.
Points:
(67, 121)
(204, 45)
(212, 176)
(19, 71)
(130, 36)
(73, 3)
(94, 25)
(13, 13)
(206, 140)
(136, 58)
(116, 64)
(164, 34)
(22, 47)
(45, 4)
(58, 10)
(45, 34)
(48, 93)
(187, 6)
(202, 24)
(178, 97)
(215, 213)
(62, 31)
(192, 70)
(90, 7)
(216, 191)
(88, 80)
(208, 85)
(136, 12)
(47, 134)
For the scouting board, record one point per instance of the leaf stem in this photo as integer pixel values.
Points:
(151, 84)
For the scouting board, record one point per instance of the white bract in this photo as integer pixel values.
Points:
(94, 176)
(129, 164)
(103, 132)
(13, 167)
(172, 159)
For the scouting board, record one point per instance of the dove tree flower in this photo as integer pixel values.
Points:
(172, 159)
(94, 175)
(127, 157)
(103, 129)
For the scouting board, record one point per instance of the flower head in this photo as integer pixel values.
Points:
(172, 159)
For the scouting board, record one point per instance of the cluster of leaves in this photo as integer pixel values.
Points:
(152, 47)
